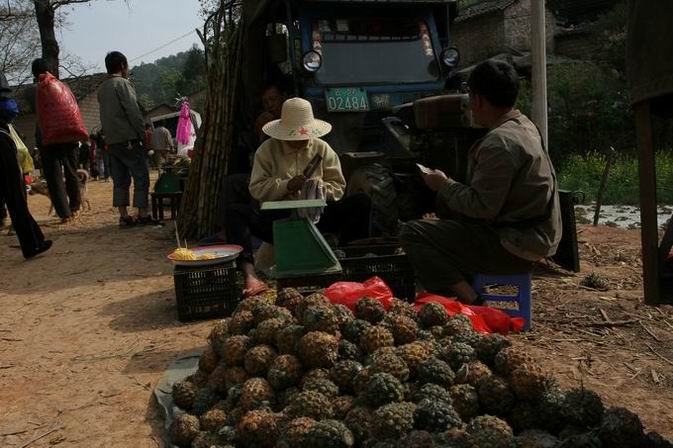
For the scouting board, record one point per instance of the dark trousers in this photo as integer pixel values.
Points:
(58, 162)
(446, 252)
(85, 157)
(348, 218)
(129, 163)
(106, 165)
(12, 193)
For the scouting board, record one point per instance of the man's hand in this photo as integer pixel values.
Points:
(435, 180)
(295, 184)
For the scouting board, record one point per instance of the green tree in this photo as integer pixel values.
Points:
(170, 83)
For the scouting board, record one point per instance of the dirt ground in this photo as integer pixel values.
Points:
(87, 330)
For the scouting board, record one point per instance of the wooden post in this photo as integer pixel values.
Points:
(603, 186)
(648, 203)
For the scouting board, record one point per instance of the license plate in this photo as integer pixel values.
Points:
(347, 100)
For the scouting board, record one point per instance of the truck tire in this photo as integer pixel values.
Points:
(377, 182)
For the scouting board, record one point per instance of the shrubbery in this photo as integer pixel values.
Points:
(584, 172)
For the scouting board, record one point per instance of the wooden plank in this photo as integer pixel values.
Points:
(648, 203)
(603, 186)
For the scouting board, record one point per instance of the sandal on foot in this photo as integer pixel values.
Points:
(252, 292)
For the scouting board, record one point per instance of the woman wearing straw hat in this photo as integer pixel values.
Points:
(277, 175)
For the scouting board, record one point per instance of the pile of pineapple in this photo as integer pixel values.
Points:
(301, 372)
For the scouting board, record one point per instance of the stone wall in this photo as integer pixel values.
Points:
(484, 36)
(90, 111)
(517, 27)
(479, 38)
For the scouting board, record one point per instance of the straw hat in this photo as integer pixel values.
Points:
(296, 122)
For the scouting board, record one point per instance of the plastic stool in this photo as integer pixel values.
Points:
(158, 204)
(522, 299)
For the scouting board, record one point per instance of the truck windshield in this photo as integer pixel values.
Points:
(374, 51)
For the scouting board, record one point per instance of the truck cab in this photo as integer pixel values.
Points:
(362, 60)
(359, 63)
(356, 61)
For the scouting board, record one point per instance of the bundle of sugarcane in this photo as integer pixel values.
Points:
(222, 39)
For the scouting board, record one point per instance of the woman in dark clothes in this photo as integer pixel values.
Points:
(12, 187)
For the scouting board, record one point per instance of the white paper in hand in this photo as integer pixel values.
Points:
(424, 169)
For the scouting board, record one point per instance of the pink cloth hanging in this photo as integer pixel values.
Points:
(184, 130)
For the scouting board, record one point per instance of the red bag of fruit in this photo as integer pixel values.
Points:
(484, 319)
(58, 114)
(348, 293)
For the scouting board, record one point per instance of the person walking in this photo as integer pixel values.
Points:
(12, 187)
(103, 157)
(59, 161)
(124, 127)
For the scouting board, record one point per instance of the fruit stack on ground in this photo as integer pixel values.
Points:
(296, 371)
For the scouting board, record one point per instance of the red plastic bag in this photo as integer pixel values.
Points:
(454, 307)
(348, 293)
(58, 114)
(484, 319)
(499, 321)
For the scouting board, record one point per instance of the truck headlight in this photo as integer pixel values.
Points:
(450, 57)
(312, 61)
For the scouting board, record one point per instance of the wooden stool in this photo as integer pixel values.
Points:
(158, 204)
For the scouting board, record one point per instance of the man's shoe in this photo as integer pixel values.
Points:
(44, 246)
(126, 222)
(147, 221)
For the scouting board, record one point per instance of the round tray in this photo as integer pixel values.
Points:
(223, 252)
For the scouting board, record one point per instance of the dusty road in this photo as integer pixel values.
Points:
(87, 330)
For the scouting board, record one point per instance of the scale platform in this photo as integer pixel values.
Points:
(299, 247)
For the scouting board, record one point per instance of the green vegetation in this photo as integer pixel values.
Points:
(163, 80)
(584, 172)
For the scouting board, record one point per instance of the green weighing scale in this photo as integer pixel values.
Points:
(299, 247)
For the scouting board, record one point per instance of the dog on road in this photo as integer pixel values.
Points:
(41, 189)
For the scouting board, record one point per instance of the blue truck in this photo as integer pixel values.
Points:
(382, 72)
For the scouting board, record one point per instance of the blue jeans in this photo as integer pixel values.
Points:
(127, 161)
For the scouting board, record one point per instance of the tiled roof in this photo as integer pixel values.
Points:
(483, 7)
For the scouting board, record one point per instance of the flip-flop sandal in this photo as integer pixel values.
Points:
(254, 291)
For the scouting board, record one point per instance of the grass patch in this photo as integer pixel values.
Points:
(584, 172)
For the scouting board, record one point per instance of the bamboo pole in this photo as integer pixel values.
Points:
(223, 42)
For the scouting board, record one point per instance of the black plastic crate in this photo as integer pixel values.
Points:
(308, 284)
(206, 292)
(384, 261)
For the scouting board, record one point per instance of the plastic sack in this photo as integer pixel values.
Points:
(348, 293)
(184, 130)
(484, 319)
(58, 114)
(22, 153)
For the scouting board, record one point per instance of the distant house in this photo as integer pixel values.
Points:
(492, 27)
(575, 39)
(197, 102)
(85, 89)
(574, 12)
(161, 109)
